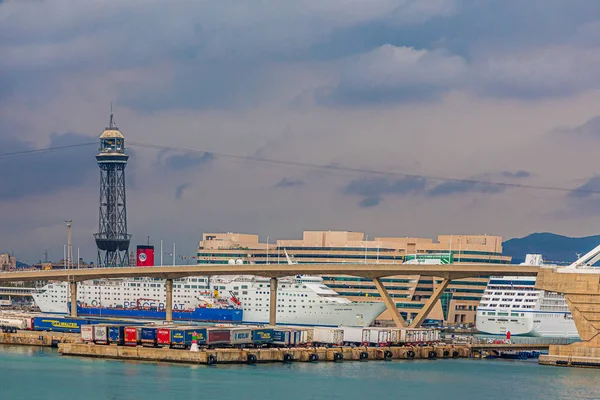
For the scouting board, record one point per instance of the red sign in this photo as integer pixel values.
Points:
(145, 256)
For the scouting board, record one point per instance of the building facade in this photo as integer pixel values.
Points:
(458, 304)
(7, 262)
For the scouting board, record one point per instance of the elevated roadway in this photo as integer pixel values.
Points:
(447, 272)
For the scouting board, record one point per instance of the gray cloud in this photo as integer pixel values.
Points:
(46, 172)
(583, 191)
(458, 187)
(180, 189)
(392, 74)
(516, 174)
(589, 129)
(288, 182)
(187, 161)
(373, 189)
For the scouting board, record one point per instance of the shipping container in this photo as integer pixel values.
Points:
(87, 333)
(217, 336)
(262, 335)
(304, 336)
(355, 335)
(58, 324)
(182, 337)
(149, 336)
(281, 337)
(241, 336)
(133, 335)
(163, 336)
(377, 336)
(116, 334)
(100, 334)
(333, 336)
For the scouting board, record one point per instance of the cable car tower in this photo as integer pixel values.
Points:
(112, 238)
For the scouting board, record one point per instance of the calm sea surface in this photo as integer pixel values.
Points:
(32, 373)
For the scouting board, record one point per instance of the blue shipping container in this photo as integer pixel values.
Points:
(281, 337)
(58, 324)
(262, 335)
(182, 338)
(116, 334)
(149, 335)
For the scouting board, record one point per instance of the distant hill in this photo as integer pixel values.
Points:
(554, 248)
(22, 264)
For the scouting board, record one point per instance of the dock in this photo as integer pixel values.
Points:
(263, 355)
(41, 339)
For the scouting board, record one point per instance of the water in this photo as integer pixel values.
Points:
(36, 373)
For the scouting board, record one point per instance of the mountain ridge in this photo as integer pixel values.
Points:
(554, 248)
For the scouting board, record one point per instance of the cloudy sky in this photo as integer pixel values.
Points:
(504, 91)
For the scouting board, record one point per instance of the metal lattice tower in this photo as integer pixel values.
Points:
(112, 238)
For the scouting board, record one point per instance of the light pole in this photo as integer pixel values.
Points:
(161, 252)
(267, 250)
(173, 253)
(69, 249)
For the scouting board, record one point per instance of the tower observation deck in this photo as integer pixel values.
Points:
(112, 238)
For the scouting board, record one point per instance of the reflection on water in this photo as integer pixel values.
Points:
(31, 373)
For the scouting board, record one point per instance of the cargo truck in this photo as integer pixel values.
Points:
(149, 336)
(328, 336)
(133, 335)
(218, 336)
(116, 334)
(241, 337)
(100, 334)
(87, 333)
(182, 337)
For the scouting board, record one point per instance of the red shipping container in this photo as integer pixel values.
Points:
(133, 335)
(218, 336)
(163, 336)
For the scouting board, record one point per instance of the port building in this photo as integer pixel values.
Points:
(457, 305)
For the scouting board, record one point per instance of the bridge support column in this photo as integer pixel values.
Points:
(273, 303)
(437, 293)
(389, 303)
(73, 290)
(169, 305)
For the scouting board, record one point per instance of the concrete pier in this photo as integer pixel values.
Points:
(241, 356)
(43, 339)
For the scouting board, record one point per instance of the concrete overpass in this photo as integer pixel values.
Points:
(447, 272)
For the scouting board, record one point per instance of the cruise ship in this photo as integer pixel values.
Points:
(301, 300)
(512, 304)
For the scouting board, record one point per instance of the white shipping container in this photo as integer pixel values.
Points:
(354, 335)
(18, 323)
(100, 334)
(328, 335)
(241, 336)
(377, 335)
(395, 335)
(87, 333)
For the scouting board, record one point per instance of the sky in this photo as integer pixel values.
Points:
(503, 91)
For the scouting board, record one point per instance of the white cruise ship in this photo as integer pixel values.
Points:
(301, 300)
(512, 304)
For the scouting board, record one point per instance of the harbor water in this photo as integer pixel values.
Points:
(40, 373)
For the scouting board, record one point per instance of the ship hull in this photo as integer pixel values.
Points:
(532, 324)
(197, 315)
